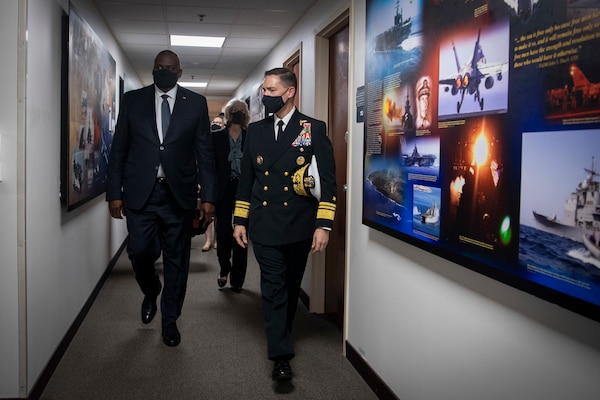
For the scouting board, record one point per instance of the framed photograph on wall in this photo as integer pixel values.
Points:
(482, 139)
(90, 115)
(257, 110)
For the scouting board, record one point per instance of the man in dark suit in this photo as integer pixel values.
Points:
(285, 210)
(161, 152)
(228, 146)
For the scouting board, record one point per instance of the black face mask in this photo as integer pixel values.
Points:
(273, 103)
(215, 127)
(164, 79)
(238, 117)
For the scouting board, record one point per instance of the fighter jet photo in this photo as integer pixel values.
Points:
(472, 74)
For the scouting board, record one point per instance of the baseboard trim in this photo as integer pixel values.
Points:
(44, 378)
(379, 387)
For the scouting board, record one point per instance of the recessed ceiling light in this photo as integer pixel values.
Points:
(192, 84)
(197, 41)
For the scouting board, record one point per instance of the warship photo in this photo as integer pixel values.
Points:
(432, 215)
(393, 37)
(408, 121)
(418, 160)
(581, 214)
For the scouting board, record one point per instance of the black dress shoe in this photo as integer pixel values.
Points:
(148, 309)
(149, 306)
(236, 289)
(221, 281)
(170, 334)
(282, 371)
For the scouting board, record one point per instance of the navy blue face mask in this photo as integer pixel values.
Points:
(164, 79)
(273, 103)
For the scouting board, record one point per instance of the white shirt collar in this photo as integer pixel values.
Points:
(286, 118)
(172, 92)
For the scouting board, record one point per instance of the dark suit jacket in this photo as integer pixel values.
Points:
(185, 154)
(221, 147)
(265, 200)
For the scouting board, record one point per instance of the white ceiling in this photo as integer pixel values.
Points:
(251, 28)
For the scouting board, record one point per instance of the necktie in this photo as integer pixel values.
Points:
(165, 111)
(279, 129)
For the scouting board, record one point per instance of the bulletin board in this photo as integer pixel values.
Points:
(482, 139)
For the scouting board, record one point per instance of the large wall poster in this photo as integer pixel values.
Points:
(482, 138)
(91, 112)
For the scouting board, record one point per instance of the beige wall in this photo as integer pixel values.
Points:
(9, 295)
(434, 330)
(51, 260)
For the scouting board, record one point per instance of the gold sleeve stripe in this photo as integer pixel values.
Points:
(326, 211)
(327, 204)
(242, 209)
(324, 214)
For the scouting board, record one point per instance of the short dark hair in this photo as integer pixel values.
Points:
(287, 76)
(166, 53)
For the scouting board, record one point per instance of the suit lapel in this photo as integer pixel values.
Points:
(150, 111)
(291, 131)
(267, 137)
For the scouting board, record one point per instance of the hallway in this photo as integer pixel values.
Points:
(222, 354)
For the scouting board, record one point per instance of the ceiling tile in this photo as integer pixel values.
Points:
(251, 27)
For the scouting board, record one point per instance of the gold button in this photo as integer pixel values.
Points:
(285, 188)
(285, 203)
(301, 149)
(266, 173)
(265, 188)
(264, 203)
(286, 173)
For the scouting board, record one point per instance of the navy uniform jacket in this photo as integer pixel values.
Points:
(266, 201)
(185, 154)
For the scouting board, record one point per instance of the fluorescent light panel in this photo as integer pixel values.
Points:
(197, 41)
(192, 84)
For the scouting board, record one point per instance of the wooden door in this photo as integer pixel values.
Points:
(338, 127)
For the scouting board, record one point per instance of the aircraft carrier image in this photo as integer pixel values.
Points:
(419, 160)
(393, 37)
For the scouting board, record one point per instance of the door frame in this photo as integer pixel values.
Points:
(321, 111)
(295, 59)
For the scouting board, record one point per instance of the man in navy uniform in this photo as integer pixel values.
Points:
(285, 203)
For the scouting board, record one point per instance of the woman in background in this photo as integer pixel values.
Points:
(228, 147)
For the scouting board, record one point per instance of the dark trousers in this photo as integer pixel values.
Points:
(281, 272)
(233, 259)
(161, 226)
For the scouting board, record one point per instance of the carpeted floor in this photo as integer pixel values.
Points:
(222, 354)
